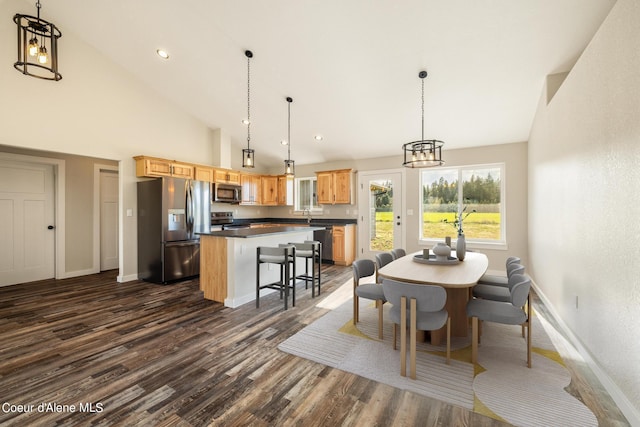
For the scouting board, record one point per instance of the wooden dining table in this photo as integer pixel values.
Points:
(456, 278)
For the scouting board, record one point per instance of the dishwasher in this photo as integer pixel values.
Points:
(326, 238)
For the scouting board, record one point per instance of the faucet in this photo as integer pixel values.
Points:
(308, 213)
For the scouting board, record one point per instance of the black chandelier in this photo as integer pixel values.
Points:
(37, 46)
(426, 152)
(289, 165)
(248, 155)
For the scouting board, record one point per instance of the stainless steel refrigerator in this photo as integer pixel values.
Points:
(170, 213)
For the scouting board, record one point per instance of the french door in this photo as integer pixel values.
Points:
(380, 208)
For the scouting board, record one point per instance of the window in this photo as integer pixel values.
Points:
(305, 194)
(478, 190)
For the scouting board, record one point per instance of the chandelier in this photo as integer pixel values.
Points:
(37, 46)
(426, 152)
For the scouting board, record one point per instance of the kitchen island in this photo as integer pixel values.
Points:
(228, 261)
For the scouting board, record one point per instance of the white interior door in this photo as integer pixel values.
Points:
(380, 212)
(108, 220)
(27, 252)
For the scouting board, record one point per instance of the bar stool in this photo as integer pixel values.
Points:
(310, 250)
(284, 256)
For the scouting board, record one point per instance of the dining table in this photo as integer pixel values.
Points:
(456, 277)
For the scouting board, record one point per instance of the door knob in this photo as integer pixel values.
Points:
(50, 227)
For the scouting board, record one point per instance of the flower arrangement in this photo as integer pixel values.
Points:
(460, 216)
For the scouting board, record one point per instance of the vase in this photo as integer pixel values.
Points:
(461, 247)
(442, 251)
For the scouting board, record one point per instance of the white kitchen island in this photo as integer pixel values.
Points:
(228, 261)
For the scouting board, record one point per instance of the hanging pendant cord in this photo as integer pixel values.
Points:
(422, 109)
(289, 131)
(248, 101)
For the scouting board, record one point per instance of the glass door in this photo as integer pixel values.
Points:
(380, 212)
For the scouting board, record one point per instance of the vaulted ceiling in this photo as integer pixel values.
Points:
(351, 66)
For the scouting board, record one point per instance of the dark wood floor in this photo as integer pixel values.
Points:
(145, 354)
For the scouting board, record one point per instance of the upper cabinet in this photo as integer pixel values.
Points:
(269, 190)
(154, 167)
(204, 173)
(226, 176)
(334, 187)
(250, 189)
(285, 190)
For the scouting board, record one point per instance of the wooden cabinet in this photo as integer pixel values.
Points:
(154, 167)
(334, 187)
(344, 244)
(269, 190)
(250, 189)
(226, 176)
(285, 190)
(204, 173)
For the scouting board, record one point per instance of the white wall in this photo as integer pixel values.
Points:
(584, 202)
(97, 110)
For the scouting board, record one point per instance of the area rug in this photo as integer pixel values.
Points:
(499, 386)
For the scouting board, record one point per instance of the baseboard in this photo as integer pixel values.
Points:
(630, 412)
(127, 278)
(70, 274)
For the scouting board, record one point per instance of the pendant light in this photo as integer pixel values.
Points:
(248, 155)
(423, 153)
(289, 165)
(37, 46)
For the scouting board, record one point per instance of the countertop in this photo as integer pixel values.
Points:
(259, 232)
(315, 222)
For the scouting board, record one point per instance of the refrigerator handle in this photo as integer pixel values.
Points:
(188, 209)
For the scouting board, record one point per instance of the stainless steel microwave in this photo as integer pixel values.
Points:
(226, 193)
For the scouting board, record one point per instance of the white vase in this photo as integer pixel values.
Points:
(461, 247)
(442, 251)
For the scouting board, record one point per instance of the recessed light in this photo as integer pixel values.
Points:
(162, 53)
(283, 142)
(318, 138)
(245, 122)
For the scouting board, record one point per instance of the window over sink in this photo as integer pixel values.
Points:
(306, 194)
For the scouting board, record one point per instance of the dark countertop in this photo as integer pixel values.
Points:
(260, 231)
(316, 222)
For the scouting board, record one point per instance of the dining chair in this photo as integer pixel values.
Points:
(382, 259)
(398, 253)
(498, 291)
(492, 279)
(510, 313)
(425, 304)
(373, 291)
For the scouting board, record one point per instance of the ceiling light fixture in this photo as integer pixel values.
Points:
(423, 153)
(248, 155)
(162, 53)
(289, 165)
(37, 46)
(318, 138)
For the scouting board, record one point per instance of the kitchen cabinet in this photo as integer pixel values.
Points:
(269, 190)
(154, 167)
(285, 190)
(344, 244)
(204, 173)
(334, 187)
(226, 176)
(250, 189)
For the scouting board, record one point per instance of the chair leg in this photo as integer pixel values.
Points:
(448, 340)
(529, 331)
(380, 304)
(474, 340)
(258, 279)
(356, 307)
(412, 338)
(403, 337)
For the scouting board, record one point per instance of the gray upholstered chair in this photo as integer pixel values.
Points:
(426, 312)
(398, 253)
(382, 259)
(491, 279)
(498, 292)
(510, 313)
(373, 291)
